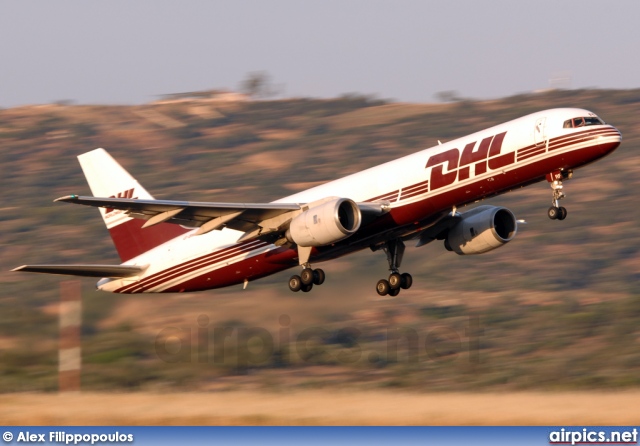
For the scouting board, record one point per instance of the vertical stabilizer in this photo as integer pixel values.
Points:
(107, 178)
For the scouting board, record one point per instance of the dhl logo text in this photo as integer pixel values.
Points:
(458, 166)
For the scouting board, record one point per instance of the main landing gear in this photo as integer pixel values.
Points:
(308, 277)
(557, 212)
(394, 250)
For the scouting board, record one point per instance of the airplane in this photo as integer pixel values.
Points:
(182, 246)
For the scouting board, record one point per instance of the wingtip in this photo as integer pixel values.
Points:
(66, 198)
(98, 149)
(19, 268)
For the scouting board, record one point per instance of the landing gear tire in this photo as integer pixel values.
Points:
(555, 213)
(318, 276)
(406, 281)
(395, 281)
(295, 283)
(383, 287)
(306, 276)
(562, 213)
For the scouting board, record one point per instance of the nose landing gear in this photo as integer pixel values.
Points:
(557, 212)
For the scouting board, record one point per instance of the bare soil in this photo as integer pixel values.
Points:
(321, 408)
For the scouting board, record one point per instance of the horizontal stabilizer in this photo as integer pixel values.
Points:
(85, 270)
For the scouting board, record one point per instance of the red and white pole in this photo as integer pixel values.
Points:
(69, 359)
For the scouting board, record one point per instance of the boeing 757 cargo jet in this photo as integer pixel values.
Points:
(180, 246)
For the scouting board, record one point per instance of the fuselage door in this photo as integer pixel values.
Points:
(540, 132)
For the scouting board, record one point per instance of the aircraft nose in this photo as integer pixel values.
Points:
(610, 139)
(618, 132)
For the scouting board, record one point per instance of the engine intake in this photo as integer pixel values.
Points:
(325, 223)
(482, 229)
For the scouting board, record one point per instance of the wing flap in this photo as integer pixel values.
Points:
(114, 271)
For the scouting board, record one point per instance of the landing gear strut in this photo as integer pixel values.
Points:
(557, 212)
(308, 277)
(394, 250)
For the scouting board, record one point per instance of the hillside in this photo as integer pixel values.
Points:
(557, 307)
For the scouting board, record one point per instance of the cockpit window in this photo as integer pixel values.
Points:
(593, 120)
(581, 122)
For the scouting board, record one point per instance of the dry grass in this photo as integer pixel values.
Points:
(371, 116)
(321, 408)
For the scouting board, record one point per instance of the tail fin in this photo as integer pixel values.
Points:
(107, 178)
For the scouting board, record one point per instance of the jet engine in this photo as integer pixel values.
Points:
(481, 230)
(325, 223)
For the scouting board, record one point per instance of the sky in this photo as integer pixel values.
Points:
(131, 52)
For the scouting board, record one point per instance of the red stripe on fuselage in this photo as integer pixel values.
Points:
(253, 268)
(415, 191)
(563, 141)
(419, 185)
(390, 196)
(185, 270)
(191, 265)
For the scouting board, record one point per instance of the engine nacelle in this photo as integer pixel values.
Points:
(325, 223)
(482, 229)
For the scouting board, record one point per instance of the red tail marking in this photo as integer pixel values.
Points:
(131, 240)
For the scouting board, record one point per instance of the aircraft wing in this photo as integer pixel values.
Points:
(85, 270)
(438, 229)
(254, 219)
(206, 216)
